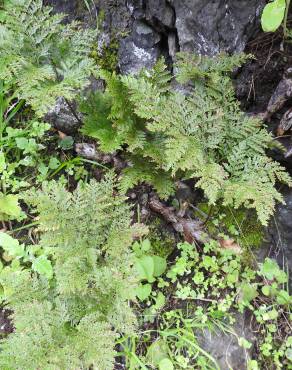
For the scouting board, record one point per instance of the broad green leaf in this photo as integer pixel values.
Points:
(283, 298)
(11, 245)
(145, 268)
(165, 364)
(266, 290)
(252, 365)
(143, 291)
(9, 205)
(159, 265)
(21, 142)
(66, 143)
(43, 266)
(54, 163)
(270, 315)
(273, 15)
(145, 245)
(156, 352)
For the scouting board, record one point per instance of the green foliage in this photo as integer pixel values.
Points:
(70, 318)
(240, 224)
(107, 57)
(148, 266)
(42, 58)
(201, 135)
(273, 15)
(204, 287)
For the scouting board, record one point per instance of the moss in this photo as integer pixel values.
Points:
(241, 224)
(162, 241)
(107, 58)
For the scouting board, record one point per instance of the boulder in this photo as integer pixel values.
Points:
(224, 347)
(210, 26)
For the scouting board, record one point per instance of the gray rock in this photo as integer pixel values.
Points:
(133, 58)
(224, 348)
(279, 236)
(144, 36)
(64, 118)
(160, 14)
(173, 46)
(211, 26)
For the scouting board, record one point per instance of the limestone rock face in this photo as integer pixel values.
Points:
(211, 26)
(148, 29)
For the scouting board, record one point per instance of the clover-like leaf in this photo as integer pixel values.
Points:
(244, 343)
(156, 352)
(270, 270)
(266, 290)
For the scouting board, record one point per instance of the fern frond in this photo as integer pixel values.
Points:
(72, 320)
(40, 51)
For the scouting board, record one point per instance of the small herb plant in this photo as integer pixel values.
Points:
(148, 266)
(212, 284)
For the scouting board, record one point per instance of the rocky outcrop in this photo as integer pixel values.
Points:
(208, 27)
(201, 26)
(147, 29)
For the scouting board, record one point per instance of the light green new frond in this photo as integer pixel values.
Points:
(159, 76)
(196, 131)
(259, 195)
(143, 94)
(71, 321)
(41, 56)
(194, 67)
(96, 109)
(98, 351)
(212, 180)
(183, 153)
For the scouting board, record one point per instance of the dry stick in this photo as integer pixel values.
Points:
(192, 230)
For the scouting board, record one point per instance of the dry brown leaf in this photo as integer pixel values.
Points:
(62, 135)
(231, 245)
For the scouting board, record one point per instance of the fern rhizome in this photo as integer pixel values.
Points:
(71, 321)
(187, 127)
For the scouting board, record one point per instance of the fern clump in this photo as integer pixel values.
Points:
(201, 134)
(71, 321)
(42, 58)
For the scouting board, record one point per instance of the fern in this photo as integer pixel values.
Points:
(202, 134)
(40, 57)
(72, 321)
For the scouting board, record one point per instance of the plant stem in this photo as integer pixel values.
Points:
(286, 17)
